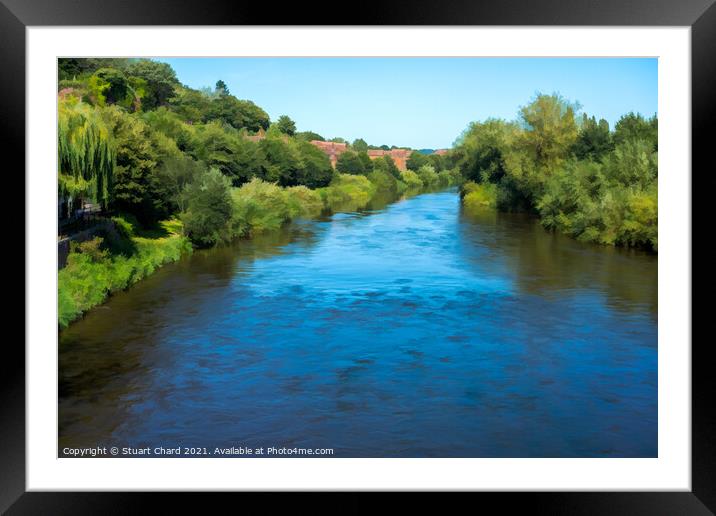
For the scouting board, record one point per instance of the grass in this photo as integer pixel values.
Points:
(107, 264)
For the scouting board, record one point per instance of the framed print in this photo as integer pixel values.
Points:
(446, 250)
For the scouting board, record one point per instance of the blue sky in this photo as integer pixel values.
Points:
(422, 102)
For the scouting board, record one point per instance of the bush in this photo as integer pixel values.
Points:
(123, 226)
(347, 192)
(258, 206)
(209, 209)
(411, 179)
(427, 175)
(384, 182)
(303, 202)
(479, 196)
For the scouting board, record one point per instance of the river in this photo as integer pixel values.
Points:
(412, 329)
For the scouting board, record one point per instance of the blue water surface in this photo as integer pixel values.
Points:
(413, 330)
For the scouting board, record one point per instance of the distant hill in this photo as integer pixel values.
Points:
(426, 151)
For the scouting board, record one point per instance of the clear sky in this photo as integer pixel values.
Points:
(422, 102)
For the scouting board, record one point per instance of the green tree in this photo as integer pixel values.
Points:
(286, 125)
(549, 129)
(359, 145)
(317, 171)
(110, 86)
(283, 160)
(190, 105)
(633, 126)
(387, 165)
(224, 148)
(416, 160)
(350, 163)
(208, 209)
(170, 124)
(240, 114)
(135, 188)
(86, 153)
(481, 150)
(173, 176)
(70, 68)
(221, 88)
(365, 159)
(310, 136)
(594, 140)
(160, 80)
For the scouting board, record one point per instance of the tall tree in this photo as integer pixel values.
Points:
(86, 154)
(286, 125)
(350, 163)
(359, 145)
(594, 140)
(221, 88)
(160, 79)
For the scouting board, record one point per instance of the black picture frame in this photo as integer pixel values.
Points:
(700, 15)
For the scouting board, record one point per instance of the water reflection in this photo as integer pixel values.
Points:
(409, 329)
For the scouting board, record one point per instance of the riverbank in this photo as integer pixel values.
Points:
(109, 263)
(112, 262)
(631, 223)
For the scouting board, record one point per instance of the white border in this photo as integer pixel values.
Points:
(670, 471)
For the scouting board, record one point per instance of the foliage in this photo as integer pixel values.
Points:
(347, 192)
(416, 160)
(208, 209)
(93, 272)
(239, 114)
(427, 175)
(316, 171)
(303, 202)
(159, 78)
(173, 177)
(634, 126)
(359, 145)
(86, 152)
(310, 136)
(350, 163)
(283, 160)
(222, 147)
(384, 182)
(411, 179)
(286, 125)
(478, 196)
(137, 155)
(221, 88)
(594, 141)
(110, 86)
(582, 179)
(387, 165)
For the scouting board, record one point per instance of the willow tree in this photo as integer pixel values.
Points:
(86, 155)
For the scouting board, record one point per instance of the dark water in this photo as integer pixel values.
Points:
(414, 330)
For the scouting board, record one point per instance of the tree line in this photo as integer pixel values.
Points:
(576, 173)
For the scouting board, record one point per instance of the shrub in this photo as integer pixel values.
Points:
(479, 196)
(209, 209)
(303, 202)
(411, 179)
(427, 175)
(348, 192)
(258, 206)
